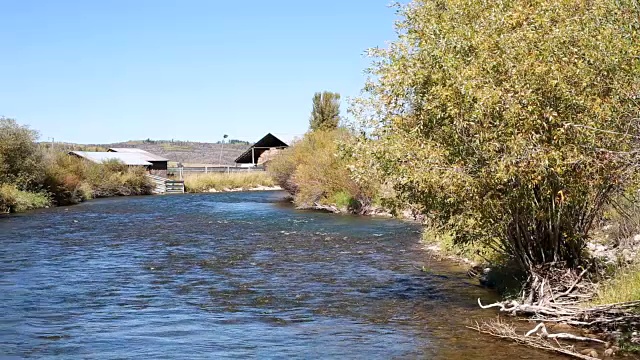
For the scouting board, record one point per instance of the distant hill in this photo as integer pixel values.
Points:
(186, 152)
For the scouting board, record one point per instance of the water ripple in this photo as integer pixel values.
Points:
(228, 276)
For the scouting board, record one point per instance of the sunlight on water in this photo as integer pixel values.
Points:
(229, 276)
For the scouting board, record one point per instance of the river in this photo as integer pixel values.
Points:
(233, 275)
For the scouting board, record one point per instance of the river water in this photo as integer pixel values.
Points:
(235, 275)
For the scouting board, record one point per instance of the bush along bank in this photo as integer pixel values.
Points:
(13, 200)
(34, 176)
(306, 167)
(316, 173)
(71, 180)
(510, 139)
(507, 140)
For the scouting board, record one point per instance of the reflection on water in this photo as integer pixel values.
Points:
(229, 276)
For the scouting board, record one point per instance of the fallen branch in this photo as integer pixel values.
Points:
(545, 334)
(570, 287)
(505, 331)
(557, 295)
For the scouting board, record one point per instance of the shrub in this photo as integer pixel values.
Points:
(64, 176)
(622, 219)
(509, 124)
(28, 170)
(71, 180)
(20, 158)
(446, 245)
(315, 171)
(115, 166)
(342, 199)
(14, 200)
(106, 183)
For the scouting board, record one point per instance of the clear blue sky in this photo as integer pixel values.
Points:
(105, 71)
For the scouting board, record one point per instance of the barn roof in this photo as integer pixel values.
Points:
(132, 159)
(147, 155)
(252, 154)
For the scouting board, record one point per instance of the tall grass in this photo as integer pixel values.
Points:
(223, 181)
(622, 223)
(14, 200)
(623, 287)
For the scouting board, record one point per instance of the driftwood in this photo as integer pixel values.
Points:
(541, 329)
(506, 331)
(601, 318)
(555, 295)
(561, 296)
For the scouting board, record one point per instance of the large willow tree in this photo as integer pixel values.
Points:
(510, 123)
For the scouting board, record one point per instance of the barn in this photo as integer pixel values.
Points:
(261, 151)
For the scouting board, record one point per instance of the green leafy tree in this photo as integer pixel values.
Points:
(508, 123)
(326, 111)
(20, 157)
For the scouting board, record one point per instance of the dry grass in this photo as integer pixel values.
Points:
(623, 287)
(623, 220)
(223, 181)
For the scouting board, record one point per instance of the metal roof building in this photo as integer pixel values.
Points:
(131, 159)
(147, 155)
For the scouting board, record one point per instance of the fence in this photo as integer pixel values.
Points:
(179, 172)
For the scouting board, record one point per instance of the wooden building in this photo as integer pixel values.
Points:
(269, 144)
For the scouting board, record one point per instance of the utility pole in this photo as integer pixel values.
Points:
(222, 148)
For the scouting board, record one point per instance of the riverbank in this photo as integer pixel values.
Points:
(115, 183)
(35, 175)
(609, 293)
